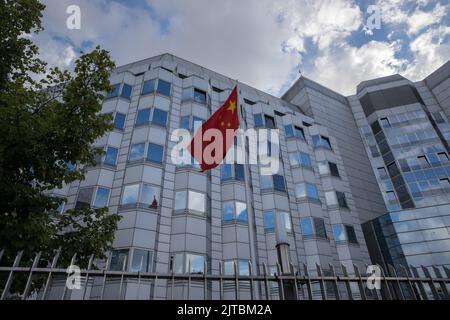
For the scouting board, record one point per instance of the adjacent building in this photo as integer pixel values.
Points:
(376, 161)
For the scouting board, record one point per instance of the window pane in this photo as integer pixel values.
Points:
(143, 117)
(338, 233)
(326, 143)
(141, 260)
(334, 169)
(311, 190)
(197, 122)
(294, 158)
(159, 117)
(239, 172)
(196, 201)
(323, 167)
(130, 194)
(195, 263)
(111, 156)
(114, 91)
(316, 141)
(319, 226)
(149, 87)
(306, 160)
(341, 199)
(137, 152)
(228, 211)
(150, 196)
(126, 91)
(180, 200)
(119, 260)
(241, 212)
(269, 221)
(119, 121)
(155, 152)
(200, 96)
(351, 234)
(270, 122)
(307, 226)
(226, 171)
(228, 268)
(286, 221)
(288, 131)
(184, 122)
(258, 120)
(163, 87)
(266, 182)
(101, 199)
(178, 263)
(299, 133)
(331, 199)
(300, 190)
(84, 198)
(244, 268)
(278, 182)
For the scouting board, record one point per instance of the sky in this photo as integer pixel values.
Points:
(263, 43)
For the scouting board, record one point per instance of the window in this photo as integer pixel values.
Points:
(144, 194)
(351, 235)
(101, 197)
(344, 233)
(232, 171)
(218, 90)
(163, 87)
(249, 102)
(299, 133)
(385, 122)
(143, 117)
(306, 124)
(126, 91)
(423, 162)
(313, 227)
(119, 260)
(191, 200)
(321, 142)
(111, 156)
(149, 87)
(137, 152)
(443, 158)
(331, 199)
(185, 122)
(289, 131)
(258, 120)
(438, 117)
(242, 267)
(269, 221)
(155, 153)
(341, 199)
(382, 173)
(189, 263)
(159, 117)
(199, 96)
(84, 198)
(114, 91)
(300, 158)
(286, 219)
(278, 183)
(393, 169)
(323, 167)
(234, 211)
(270, 122)
(61, 205)
(306, 190)
(119, 121)
(334, 169)
(142, 260)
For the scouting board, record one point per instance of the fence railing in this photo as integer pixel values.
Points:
(29, 280)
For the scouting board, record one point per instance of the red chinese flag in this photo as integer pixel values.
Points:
(215, 137)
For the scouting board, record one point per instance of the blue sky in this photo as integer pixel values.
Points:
(260, 42)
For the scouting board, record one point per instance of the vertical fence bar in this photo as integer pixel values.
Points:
(10, 277)
(105, 273)
(394, 274)
(362, 292)
(335, 282)
(1, 254)
(91, 259)
(141, 264)
(347, 282)
(172, 284)
(189, 280)
(419, 283)
(30, 276)
(294, 273)
(250, 269)
(205, 283)
(124, 268)
(280, 281)
(431, 283)
(221, 280)
(72, 262)
(49, 278)
(323, 289)
(266, 283)
(236, 280)
(386, 284)
(408, 280)
(308, 282)
(442, 284)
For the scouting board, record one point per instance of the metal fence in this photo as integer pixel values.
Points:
(29, 280)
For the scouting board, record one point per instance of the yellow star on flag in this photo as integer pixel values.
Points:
(232, 106)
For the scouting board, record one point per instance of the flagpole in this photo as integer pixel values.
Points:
(248, 195)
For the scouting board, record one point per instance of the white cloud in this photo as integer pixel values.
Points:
(421, 19)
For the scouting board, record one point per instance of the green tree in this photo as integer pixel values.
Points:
(49, 119)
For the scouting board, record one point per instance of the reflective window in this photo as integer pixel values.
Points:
(269, 221)
(286, 219)
(234, 211)
(278, 182)
(199, 96)
(197, 201)
(321, 142)
(242, 267)
(119, 260)
(155, 153)
(228, 211)
(111, 156)
(185, 122)
(126, 91)
(114, 91)
(142, 260)
(163, 87)
(143, 117)
(341, 199)
(119, 121)
(311, 191)
(266, 182)
(180, 200)
(159, 117)
(189, 263)
(84, 198)
(305, 159)
(382, 173)
(130, 194)
(270, 121)
(289, 131)
(137, 151)
(232, 171)
(307, 227)
(149, 86)
(334, 169)
(351, 236)
(101, 197)
(323, 167)
(331, 199)
(299, 133)
(258, 120)
(339, 233)
(150, 196)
